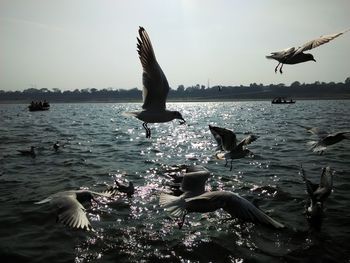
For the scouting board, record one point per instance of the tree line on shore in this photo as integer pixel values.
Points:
(316, 90)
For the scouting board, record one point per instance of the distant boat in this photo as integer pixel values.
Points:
(39, 106)
(282, 100)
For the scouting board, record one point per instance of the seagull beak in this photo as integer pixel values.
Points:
(182, 121)
(314, 59)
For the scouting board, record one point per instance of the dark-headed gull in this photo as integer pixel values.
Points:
(318, 194)
(295, 55)
(227, 142)
(70, 210)
(155, 87)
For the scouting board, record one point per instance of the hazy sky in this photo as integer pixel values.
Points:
(76, 44)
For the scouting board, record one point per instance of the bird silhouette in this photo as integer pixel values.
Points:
(295, 55)
(155, 87)
(227, 142)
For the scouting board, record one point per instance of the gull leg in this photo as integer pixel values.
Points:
(148, 130)
(181, 223)
(231, 165)
(277, 67)
(225, 162)
(281, 69)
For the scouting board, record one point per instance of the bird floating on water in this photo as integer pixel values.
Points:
(129, 189)
(318, 194)
(70, 210)
(227, 142)
(155, 87)
(56, 146)
(196, 199)
(30, 152)
(295, 55)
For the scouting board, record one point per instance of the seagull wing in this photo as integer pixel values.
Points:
(71, 212)
(310, 187)
(232, 203)
(282, 54)
(318, 42)
(247, 140)
(326, 185)
(225, 138)
(194, 182)
(109, 192)
(155, 84)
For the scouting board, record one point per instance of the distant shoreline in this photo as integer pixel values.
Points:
(169, 100)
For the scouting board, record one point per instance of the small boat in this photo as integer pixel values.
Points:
(282, 100)
(39, 106)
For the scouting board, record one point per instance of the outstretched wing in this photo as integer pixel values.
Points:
(71, 212)
(225, 138)
(155, 84)
(310, 187)
(194, 182)
(279, 55)
(232, 203)
(318, 42)
(247, 140)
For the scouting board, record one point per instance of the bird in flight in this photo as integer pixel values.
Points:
(318, 194)
(295, 55)
(227, 142)
(155, 87)
(196, 199)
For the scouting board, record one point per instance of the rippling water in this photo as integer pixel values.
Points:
(100, 144)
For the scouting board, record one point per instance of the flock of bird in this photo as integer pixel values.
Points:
(194, 197)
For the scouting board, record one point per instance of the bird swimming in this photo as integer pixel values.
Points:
(70, 210)
(318, 194)
(30, 152)
(56, 146)
(227, 141)
(129, 189)
(155, 87)
(196, 199)
(295, 55)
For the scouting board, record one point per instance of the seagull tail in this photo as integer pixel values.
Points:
(175, 205)
(315, 146)
(269, 57)
(312, 144)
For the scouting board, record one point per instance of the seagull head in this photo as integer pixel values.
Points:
(177, 115)
(311, 57)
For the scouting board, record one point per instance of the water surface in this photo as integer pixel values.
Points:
(100, 144)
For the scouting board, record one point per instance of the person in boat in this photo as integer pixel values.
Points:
(46, 104)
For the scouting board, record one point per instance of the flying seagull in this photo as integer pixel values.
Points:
(227, 142)
(196, 199)
(192, 184)
(70, 210)
(155, 87)
(325, 139)
(318, 194)
(295, 55)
